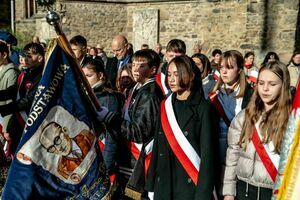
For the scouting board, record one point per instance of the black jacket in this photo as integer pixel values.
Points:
(27, 89)
(111, 69)
(144, 115)
(166, 177)
(114, 102)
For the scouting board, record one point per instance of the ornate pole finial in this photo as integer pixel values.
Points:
(53, 19)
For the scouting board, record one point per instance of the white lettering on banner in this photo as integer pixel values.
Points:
(41, 102)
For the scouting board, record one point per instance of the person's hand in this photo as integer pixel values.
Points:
(6, 136)
(229, 197)
(102, 113)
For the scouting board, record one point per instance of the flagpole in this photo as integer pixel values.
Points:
(53, 19)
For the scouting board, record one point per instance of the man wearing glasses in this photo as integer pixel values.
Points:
(122, 56)
(56, 140)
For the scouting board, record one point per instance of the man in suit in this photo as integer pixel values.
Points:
(55, 139)
(121, 57)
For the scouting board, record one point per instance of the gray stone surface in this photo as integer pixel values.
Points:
(145, 28)
(217, 24)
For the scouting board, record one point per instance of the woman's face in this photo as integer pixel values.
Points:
(91, 76)
(3, 58)
(269, 87)
(217, 58)
(125, 80)
(173, 78)
(272, 58)
(199, 64)
(249, 60)
(296, 59)
(230, 74)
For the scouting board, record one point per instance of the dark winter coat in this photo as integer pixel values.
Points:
(166, 177)
(144, 115)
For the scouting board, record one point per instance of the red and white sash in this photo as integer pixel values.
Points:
(101, 144)
(21, 116)
(136, 149)
(160, 80)
(217, 75)
(180, 146)
(215, 101)
(266, 153)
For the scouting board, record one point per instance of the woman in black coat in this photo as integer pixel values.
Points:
(183, 163)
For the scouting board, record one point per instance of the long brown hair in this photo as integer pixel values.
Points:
(274, 122)
(127, 68)
(237, 57)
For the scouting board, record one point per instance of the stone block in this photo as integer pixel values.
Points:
(145, 27)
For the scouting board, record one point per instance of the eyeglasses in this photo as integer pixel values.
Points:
(52, 148)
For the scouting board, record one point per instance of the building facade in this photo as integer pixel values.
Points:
(245, 25)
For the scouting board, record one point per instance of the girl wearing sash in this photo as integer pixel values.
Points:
(231, 94)
(113, 100)
(183, 158)
(255, 137)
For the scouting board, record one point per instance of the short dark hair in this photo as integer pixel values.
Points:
(78, 40)
(34, 48)
(177, 46)
(150, 56)
(145, 46)
(249, 53)
(43, 131)
(4, 48)
(268, 56)
(188, 73)
(215, 52)
(95, 64)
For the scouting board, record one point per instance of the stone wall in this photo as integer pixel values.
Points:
(98, 22)
(232, 24)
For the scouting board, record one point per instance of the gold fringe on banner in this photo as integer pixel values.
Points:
(291, 180)
(133, 194)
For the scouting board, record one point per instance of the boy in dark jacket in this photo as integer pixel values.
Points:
(28, 81)
(138, 123)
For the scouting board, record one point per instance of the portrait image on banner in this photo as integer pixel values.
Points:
(62, 144)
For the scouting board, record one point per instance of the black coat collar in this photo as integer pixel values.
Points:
(193, 100)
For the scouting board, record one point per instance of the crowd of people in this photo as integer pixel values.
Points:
(177, 127)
